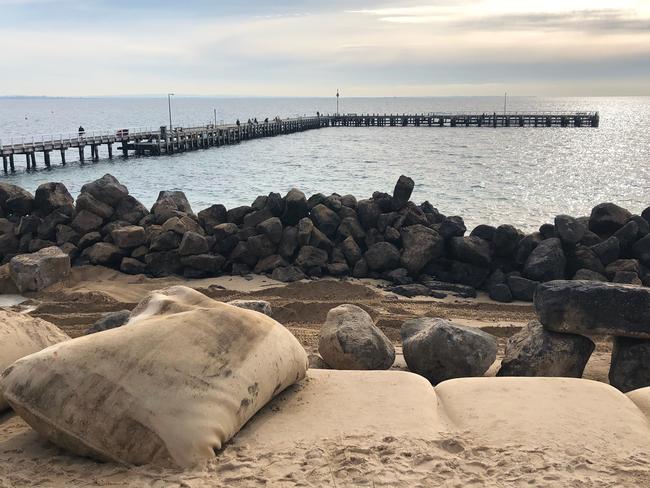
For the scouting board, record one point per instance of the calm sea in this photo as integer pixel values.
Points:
(517, 175)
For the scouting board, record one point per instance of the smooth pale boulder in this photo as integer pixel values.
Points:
(33, 272)
(349, 339)
(535, 351)
(22, 335)
(641, 398)
(592, 307)
(559, 413)
(170, 387)
(440, 350)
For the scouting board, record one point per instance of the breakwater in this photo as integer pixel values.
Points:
(290, 237)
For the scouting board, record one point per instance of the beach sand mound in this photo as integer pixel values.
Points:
(21, 335)
(170, 387)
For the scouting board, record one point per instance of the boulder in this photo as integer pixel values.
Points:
(14, 200)
(33, 272)
(368, 211)
(132, 266)
(607, 218)
(163, 263)
(86, 221)
(505, 241)
(260, 246)
(305, 229)
(309, 257)
(23, 335)
(462, 291)
(85, 201)
(89, 239)
(628, 265)
(128, 237)
(546, 262)
(351, 227)
(287, 274)
(608, 250)
(440, 350)
(288, 242)
(260, 306)
(583, 257)
(193, 243)
(211, 264)
(130, 210)
(382, 256)
(535, 351)
(350, 340)
(641, 250)
(236, 215)
(410, 290)
(269, 263)
(471, 249)
(257, 217)
(104, 254)
(51, 196)
(500, 293)
(272, 228)
(452, 227)
(110, 320)
(351, 250)
(485, 232)
(569, 230)
(179, 349)
(587, 274)
(295, 207)
(106, 189)
(592, 307)
(402, 192)
(525, 247)
(630, 365)
(420, 245)
(165, 241)
(325, 219)
(65, 234)
(628, 277)
(627, 236)
(360, 269)
(212, 216)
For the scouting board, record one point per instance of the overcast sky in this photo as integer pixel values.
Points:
(310, 48)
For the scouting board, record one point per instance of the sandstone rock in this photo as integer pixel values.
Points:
(591, 307)
(33, 272)
(607, 218)
(420, 245)
(128, 237)
(630, 366)
(402, 192)
(111, 320)
(106, 189)
(260, 306)
(440, 350)
(546, 262)
(350, 340)
(317, 362)
(382, 256)
(535, 351)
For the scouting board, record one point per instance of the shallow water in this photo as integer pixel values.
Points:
(522, 176)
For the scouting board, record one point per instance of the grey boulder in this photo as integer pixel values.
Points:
(33, 272)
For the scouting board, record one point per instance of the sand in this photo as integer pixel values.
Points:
(369, 430)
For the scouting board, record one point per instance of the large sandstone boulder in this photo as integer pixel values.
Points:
(440, 350)
(170, 387)
(350, 340)
(535, 351)
(21, 335)
(592, 307)
(33, 272)
(630, 366)
(546, 262)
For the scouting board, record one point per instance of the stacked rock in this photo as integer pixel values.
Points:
(418, 249)
(569, 312)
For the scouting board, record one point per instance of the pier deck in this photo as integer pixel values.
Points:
(143, 142)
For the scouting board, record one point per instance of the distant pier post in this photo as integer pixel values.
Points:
(11, 163)
(5, 166)
(63, 156)
(110, 151)
(46, 156)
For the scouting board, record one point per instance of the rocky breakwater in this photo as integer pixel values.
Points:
(291, 237)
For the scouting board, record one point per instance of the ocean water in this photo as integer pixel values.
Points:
(521, 176)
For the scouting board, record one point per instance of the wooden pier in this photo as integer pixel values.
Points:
(145, 142)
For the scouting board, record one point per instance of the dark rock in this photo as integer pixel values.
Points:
(350, 340)
(86, 201)
(275, 204)
(65, 233)
(360, 269)
(36, 245)
(485, 232)
(309, 257)
(607, 218)
(384, 200)
(368, 211)
(193, 243)
(642, 226)
(70, 249)
(350, 226)
(535, 351)
(587, 274)
(399, 276)
(222, 231)
(547, 231)
(462, 291)
(622, 265)
(590, 239)
(261, 246)
(402, 192)
(104, 254)
(467, 274)
(373, 236)
(382, 256)
(170, 203)
(349, 201)
(630, 365)
(288, 243)
(269, 263)
(412, 290)
(583, 257)
(111, 320)
(47, 227)
(51, 196)
(86, 221)
(627, 277)
(236, 215)
(130, 210)
(106, 189)
(89, 239)
(295, 207)
(272, 228)
(212, 264)
(497, 277)
(164, 263)
(240, 269)
(500, 293)
(522, 288)
(212, 216)
(641, 250)
(627, 236)
(259, 203)
(14, 200)
(242, 254)
(257, 217)
(591, 307)
(166, 241)
(288, 274)
(569, 230)
(338, 269)
(347, 212)
(139, 252)
(452, 227)
(393, 236)
(441, 350)
(325, 220)
(305, 228)
(351, 251)
(316, 199)
(505, 241)
(546, 262)
(391, 219)
(128, 237)
(28, 225)
(420, 245)
(608, 251)
(471, 249)
(526, 246)
(317, 362)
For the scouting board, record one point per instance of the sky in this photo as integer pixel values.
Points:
(310, 48)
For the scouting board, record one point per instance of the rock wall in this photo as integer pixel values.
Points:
(291, 237)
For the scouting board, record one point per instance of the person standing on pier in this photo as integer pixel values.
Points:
(82, 131)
